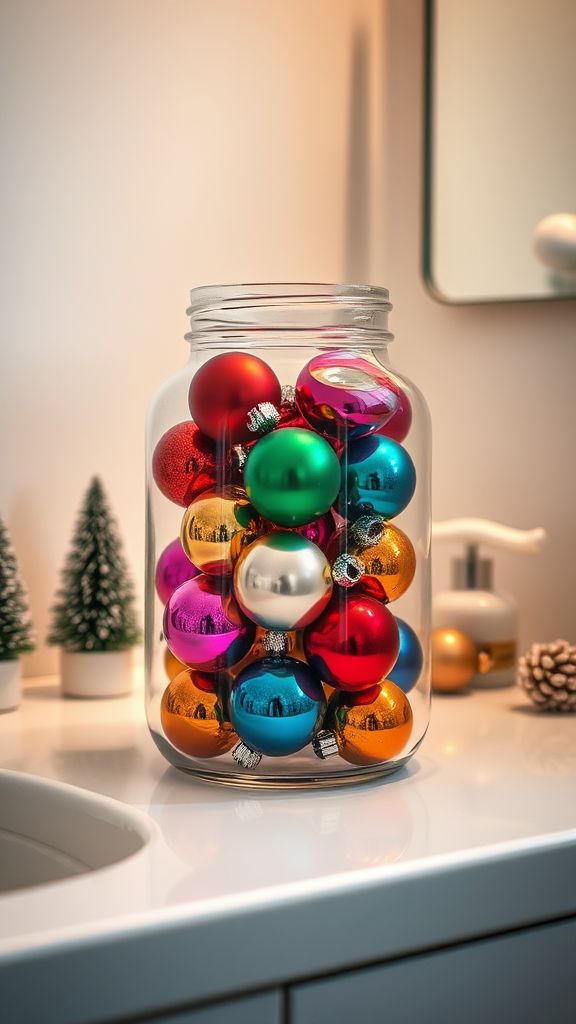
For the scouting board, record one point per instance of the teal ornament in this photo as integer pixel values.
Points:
(292, 476)
(276, 705)
(378, 475)
(408, 667)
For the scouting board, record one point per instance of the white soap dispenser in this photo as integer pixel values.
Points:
(489, 617)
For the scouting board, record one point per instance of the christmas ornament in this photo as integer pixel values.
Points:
(282, 581)
(184, 463)
(370, 727)
(230, 395)
(212, 533)
(172, 569)
(94, 608)
(290, 415)
(377, 475)
(347, 570)
(343, 395)
(16, 631)
(172, 665)
(547, 673)
(389, 564)
(454, 660)
(408, 666)
(319, 531)
(292, 476)
(354, 643)
(203, 625)
(275, 705)
(400, 421)
(192, 718)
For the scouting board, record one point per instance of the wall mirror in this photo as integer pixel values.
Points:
(500, 167)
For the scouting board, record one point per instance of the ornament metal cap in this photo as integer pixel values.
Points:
(263, 418)
(288, 393)
(368, 530)
(324, 744)
(347, 570)
(276, 642)
(245, 756)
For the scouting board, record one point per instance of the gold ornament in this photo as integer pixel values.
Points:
(389, 563)
(454, 660)
(172, 665)
(214, 533)
(371, 726)
(192, 717)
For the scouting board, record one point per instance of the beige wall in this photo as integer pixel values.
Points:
(153, 146)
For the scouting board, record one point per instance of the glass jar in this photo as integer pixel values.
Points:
(288, 538)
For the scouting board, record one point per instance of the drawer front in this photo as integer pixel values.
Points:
(524, 976)
(261, 1009)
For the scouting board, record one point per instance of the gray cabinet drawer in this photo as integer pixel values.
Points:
(524, 976)
(261, 1009)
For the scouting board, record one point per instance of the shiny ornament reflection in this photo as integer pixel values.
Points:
(354, 643)
(377, 475)
(172, 665)
(389, 564)
(173, 569)
(282, 581)
(370, 727)
(398, 426)
(292, 476)
(275, 705)
(192, 718)
(213, 534)
(408, 667)
(225, 391)
(203, 625)
(341, 394)
(454, 660)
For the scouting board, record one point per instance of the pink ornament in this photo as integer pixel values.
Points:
(400, 422)
(343, 395)
(173, 569)
(204, 627)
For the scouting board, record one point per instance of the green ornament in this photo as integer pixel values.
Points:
(292, 476)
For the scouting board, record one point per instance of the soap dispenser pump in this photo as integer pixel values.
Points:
(489, 617)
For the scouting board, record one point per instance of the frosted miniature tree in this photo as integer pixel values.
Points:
(16, 633)
(94, 608)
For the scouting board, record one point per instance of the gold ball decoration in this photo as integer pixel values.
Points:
(214, 533)
(371, 726)
(454, 660)
(389, 563)
(192, 717)
(172, 665)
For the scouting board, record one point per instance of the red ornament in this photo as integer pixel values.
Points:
(184, 463)
(226, 389)
(354, 643)
(400, 422)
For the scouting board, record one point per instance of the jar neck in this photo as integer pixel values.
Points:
(262, 315)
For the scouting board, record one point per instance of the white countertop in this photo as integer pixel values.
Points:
(476, 835)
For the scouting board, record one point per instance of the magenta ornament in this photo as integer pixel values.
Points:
(173, 569)
(204, 627)
(343, 395)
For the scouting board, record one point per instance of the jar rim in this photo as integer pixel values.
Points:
(293, 308)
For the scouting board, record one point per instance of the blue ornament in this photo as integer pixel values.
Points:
(378, 476)
(410, 658)
(275, 705)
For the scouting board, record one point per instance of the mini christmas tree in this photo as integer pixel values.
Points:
(16, 633)
(94, 608)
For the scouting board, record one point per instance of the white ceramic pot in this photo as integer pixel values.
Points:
(10, 684)
(96, 673)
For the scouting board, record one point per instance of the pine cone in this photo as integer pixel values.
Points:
(547, 673)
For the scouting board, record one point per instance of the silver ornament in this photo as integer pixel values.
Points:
(282, 581)
(347, 570)
(368, 530)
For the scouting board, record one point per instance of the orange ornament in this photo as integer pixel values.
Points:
(389, 564)
(192, 718)
(454, 660)
(172, 665)
(371, 726)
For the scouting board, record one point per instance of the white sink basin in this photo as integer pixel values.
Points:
(50, 831)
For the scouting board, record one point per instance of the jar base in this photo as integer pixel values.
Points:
(327, 777)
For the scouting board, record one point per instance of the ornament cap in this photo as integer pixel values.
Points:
(324, 744)
(245, 756)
